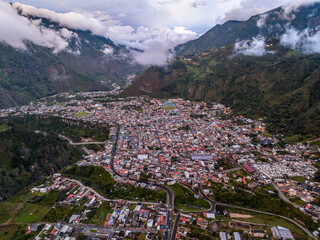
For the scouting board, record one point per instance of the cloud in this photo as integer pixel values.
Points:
(107, 50)
(159, 50)
(262, 20)
(254, 47)
(198, 3)
(292, 6)
(155, 44)
(149, 25)
(16, 30)
(71, 20)
(306, 41)
(249, 8)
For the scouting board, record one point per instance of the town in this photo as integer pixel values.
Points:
(161, 144)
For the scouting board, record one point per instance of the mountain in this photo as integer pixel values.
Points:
(261, 77)
(89, 63)
(272, 23)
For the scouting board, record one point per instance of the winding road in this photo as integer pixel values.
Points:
(214, 204)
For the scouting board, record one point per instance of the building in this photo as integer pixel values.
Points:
(281, 233)
(248, 168)
(236, 236)
(201, 157)
(223, 236)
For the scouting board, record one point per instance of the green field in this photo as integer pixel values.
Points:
(168, 108)
(30, 213)
(81, 114)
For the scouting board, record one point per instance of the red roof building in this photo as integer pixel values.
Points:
(248, 168)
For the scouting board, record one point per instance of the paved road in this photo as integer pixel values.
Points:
(214, 204)
(211, 210)
(79, 144)
(283, 197)
(211, 202)
(170, 196)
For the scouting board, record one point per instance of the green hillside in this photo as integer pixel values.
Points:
(273, 23)
(27, 156)
(38, 72)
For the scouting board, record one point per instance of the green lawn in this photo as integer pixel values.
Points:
(298, 178)
(30, 213)
(81, 114)
(168, 108)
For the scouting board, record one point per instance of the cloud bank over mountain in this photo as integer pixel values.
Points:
(306, 41)
(16, 30)
(153, 27)
(256, 47)
(155, 45)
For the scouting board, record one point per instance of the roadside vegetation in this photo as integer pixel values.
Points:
(186, 200)
(100, 180)
(261, 200)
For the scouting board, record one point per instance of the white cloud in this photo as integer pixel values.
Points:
(149, 25)
(248, 8)
(159, 50)
(71, 20)
(262, 20)
(156, 44)
(16, 30)
(254, 47)
(198, 3)
(306, 41)
(292, 6)
(107, 50)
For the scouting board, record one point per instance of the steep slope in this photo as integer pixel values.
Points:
(272, 23)
(37, 73)
(89, 63)
(27, 156)
(284, 87)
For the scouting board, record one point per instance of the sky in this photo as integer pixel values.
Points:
(154, 26)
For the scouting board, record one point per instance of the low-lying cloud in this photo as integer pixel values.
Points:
(155, 45)
(254, 47)
(306, 41)
(16, 30)
(71, 20)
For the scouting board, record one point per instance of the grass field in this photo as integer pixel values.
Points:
(168, 108)
(81, 114)
(30, 213)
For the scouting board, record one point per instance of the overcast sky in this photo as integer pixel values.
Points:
(154, 26)
(196, 15)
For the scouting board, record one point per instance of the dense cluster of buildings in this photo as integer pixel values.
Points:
(175, 140)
